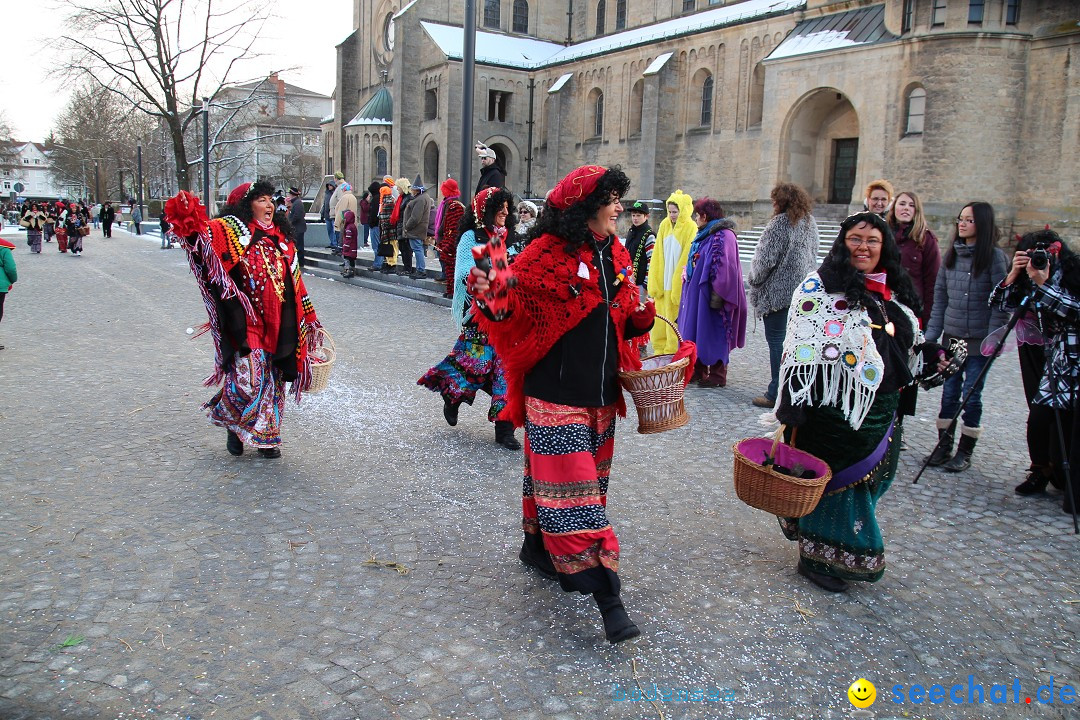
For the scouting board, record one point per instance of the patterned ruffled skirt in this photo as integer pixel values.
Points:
(564, 495)
(471, 366)
(841, 537)
(251, 402)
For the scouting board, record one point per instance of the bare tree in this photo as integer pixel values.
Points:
(162, 57)
(8, 152)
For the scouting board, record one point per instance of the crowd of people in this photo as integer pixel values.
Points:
(850, 339)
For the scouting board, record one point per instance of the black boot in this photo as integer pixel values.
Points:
(1036, 482)
(825, 582)
(617, 624)
(504, 435)
(271, 453)
(449, 411)
(234, 444)
(943, 451)
(962, 459)
(542, 565)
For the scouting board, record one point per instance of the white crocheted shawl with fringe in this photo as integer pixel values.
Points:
(829, 349)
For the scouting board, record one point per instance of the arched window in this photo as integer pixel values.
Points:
(637, 100)
(620, 14)
(757, 95)
(521, 16)
(706, 101)
(596, 102)
(431, 162)
(916, 111)
(492, 13)
(380, 161)
(601, 14)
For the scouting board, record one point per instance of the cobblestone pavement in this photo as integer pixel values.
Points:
(148, 574)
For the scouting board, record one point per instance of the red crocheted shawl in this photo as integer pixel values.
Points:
(548, 300)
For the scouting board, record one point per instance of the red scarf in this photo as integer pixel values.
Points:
(549, 299)
(877, 282)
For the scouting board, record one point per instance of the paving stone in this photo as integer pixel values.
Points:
(241, 589)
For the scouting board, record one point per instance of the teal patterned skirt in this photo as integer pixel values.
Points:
(841, 537)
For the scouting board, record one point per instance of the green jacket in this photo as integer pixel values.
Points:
(7, 269)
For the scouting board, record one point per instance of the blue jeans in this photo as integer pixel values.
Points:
(373, 238)
(959, 385)
(366, 234)
(331, 233)
(417, 245)
(775, 331)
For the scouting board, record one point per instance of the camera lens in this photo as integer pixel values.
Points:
(1039, 259)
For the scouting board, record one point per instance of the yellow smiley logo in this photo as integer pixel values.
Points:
(862, 693)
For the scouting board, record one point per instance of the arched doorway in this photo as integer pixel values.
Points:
(502, 157)
(820, 146)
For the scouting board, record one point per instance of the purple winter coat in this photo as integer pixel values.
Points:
(714, 268)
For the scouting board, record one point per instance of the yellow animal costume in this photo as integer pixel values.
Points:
(666, 269)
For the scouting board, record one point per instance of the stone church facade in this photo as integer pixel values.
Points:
(958, 100)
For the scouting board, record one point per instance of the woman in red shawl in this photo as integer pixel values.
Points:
(573, 308)
(451, 209)
(261, 318)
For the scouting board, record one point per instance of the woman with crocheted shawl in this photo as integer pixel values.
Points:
(669, 257)
(852, 342)
(573, 311)
(261, 318)
(473, 364)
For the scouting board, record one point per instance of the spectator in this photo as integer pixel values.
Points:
(491, 174)
(417, 215)
(297, 222)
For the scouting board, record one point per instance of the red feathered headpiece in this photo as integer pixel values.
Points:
(186, 214)
(576, 186)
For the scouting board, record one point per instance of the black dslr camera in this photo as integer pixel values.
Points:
(1039, 257)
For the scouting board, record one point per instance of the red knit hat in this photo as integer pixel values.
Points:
(449, 188)
(238, 194)
(576, 186)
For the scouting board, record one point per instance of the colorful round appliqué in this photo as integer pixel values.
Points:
(841, 305)
(871, 375)
(834, 328)
(809, 307)
(831, 352)
(850, 359)
(811, 285)
(804, 353)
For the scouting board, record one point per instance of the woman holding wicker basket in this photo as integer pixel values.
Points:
(563, 319)
(261, 318)
(852, 342)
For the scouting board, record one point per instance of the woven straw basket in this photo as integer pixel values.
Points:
(762, 487)
(322, 362)
(657, 390)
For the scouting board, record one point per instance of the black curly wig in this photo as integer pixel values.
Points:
(500, 196)
(572, 224)
(242, 209)
(839, 275)
(1066, 259)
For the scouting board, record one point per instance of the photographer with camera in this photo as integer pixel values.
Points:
(1045, 269)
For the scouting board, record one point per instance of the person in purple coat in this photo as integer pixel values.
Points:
(713, 308)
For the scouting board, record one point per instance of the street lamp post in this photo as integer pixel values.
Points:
(138, 160)
(97, 182)
(206, 152)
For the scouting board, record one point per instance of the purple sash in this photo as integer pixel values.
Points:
(859, 470)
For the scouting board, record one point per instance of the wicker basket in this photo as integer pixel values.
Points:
(764, 488)
(657, 390)
(322, 362)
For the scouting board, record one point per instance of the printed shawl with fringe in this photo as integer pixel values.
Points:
(549, 299)
(830, 357)
(212, 253)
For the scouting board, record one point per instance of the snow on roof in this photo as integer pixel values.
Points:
(404, 10)
(559, 83)
(328, 119)
(492, 48)
(530, 53)
(864, 26)
(379, 110)
(659, 62)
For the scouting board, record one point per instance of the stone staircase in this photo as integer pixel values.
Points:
(318, 261)
(748, 240)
